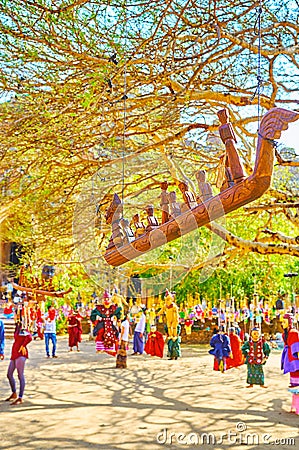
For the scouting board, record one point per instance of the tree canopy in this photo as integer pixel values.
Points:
(113, 96)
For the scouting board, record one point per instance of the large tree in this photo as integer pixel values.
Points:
(104, 97)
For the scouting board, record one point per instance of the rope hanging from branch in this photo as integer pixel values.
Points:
(124, 104)
(259, 87)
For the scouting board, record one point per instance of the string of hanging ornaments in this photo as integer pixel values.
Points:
(259, 87)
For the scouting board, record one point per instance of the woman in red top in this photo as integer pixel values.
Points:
(8, 311)
(19, 354)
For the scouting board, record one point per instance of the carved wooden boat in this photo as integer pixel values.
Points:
(37, 291)
(248, 190)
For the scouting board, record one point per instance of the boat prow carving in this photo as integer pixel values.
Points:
(244, 190)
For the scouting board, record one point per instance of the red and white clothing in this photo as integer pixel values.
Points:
(20, 341)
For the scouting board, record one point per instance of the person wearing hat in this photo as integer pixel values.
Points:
(290, 354)
(220, 349)
(256, 351)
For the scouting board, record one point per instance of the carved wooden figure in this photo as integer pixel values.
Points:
(240, 194)
(164, 201)
(118, 236)
(113, 216)
(224, 178)
(188, 196)
(205, 190)
(175, 209)
(115, 205)
(152, 221)
(228, 137)
(138, 225)
(129, 235)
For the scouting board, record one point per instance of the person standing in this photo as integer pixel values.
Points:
(50, 331)
(19, 354)
(121, 358)
(74, 330)
(2, 340)
(138, 341)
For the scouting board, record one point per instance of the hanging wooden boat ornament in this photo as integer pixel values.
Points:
(39, 287)
(237, 191)
(41, 292)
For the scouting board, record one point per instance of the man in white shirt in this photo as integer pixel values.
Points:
(50, 331)
(138, 342)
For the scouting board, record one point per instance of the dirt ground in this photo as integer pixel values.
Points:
(81, 401)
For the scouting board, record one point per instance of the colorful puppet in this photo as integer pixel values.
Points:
(172, 314)
(105, 331)
(256, 352)
(236, 359)
(220, 349)
(290, 354)
(155, 343)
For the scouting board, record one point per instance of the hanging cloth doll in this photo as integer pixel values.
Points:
(220, 349)
(256, 352)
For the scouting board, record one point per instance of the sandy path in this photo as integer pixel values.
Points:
(80, 401)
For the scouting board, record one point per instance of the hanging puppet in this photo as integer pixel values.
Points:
(172, 314)
(236, 359)
(74, 330)
(174, 344)
(295, 400)
(220, 349)
(256, 352)
(290, 354)
(155, 343)
(105, 330)
(172, 326)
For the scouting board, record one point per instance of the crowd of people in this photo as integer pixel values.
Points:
(114, 323)
(32, 322)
